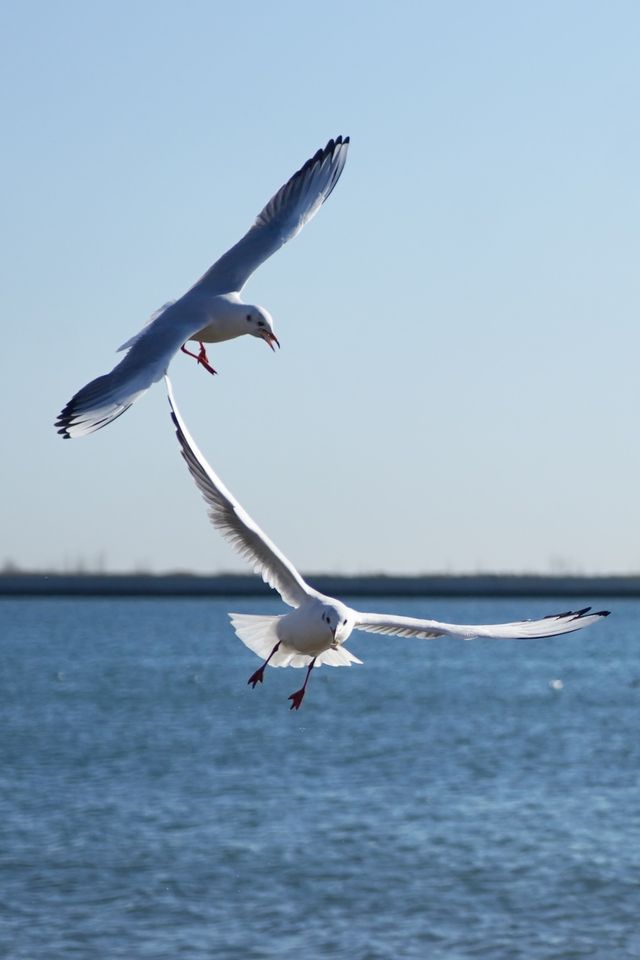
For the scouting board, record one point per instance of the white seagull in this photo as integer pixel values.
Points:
(211, 311)
(315, 631)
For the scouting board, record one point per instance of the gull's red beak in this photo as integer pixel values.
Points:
(270, 338)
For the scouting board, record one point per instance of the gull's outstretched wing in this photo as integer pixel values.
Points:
(235, 524)
(549, 626)
(283, 217)
(149, 354)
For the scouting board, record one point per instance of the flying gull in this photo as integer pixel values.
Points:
(316, 630)
(212, 310)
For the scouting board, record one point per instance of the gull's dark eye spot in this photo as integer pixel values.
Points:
(344, 623)
(248, 318)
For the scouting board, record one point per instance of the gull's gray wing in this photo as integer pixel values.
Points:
(149, 353)
(235, 524)
(550, 626)
(283, 217)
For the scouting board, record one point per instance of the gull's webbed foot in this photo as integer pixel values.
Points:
(201, 357)
(257, 677)
(296, 699)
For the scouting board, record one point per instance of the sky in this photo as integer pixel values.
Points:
(457, 389)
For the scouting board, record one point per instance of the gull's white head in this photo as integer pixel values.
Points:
(337, 621)
(259, 323)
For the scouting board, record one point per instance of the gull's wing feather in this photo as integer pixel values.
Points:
(150, 322)
(550, 626)
(281, 219)
(235, 524)
(149, 354)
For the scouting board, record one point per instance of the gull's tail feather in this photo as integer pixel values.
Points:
(260, 634)
(340, 657)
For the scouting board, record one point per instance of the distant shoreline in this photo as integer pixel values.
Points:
(241, 585)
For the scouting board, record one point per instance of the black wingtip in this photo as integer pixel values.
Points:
(576, 614)
(581, 613)
(68, 415)
(173, 414)
(63, 421)
(72, 417)
(330, 148)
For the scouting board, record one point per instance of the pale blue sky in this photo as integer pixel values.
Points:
(458, 382)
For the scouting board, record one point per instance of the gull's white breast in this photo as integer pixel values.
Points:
(304, 630)
(225, 318)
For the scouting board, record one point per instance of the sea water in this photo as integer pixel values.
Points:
(445, 800)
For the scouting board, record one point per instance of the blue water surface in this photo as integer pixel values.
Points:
(442, 801)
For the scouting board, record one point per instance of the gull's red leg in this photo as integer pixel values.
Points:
(204, 359)
(296, 697)
(258, 676)
(201, 357)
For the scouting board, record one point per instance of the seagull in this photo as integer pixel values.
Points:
(212, 310)
(316, 630)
